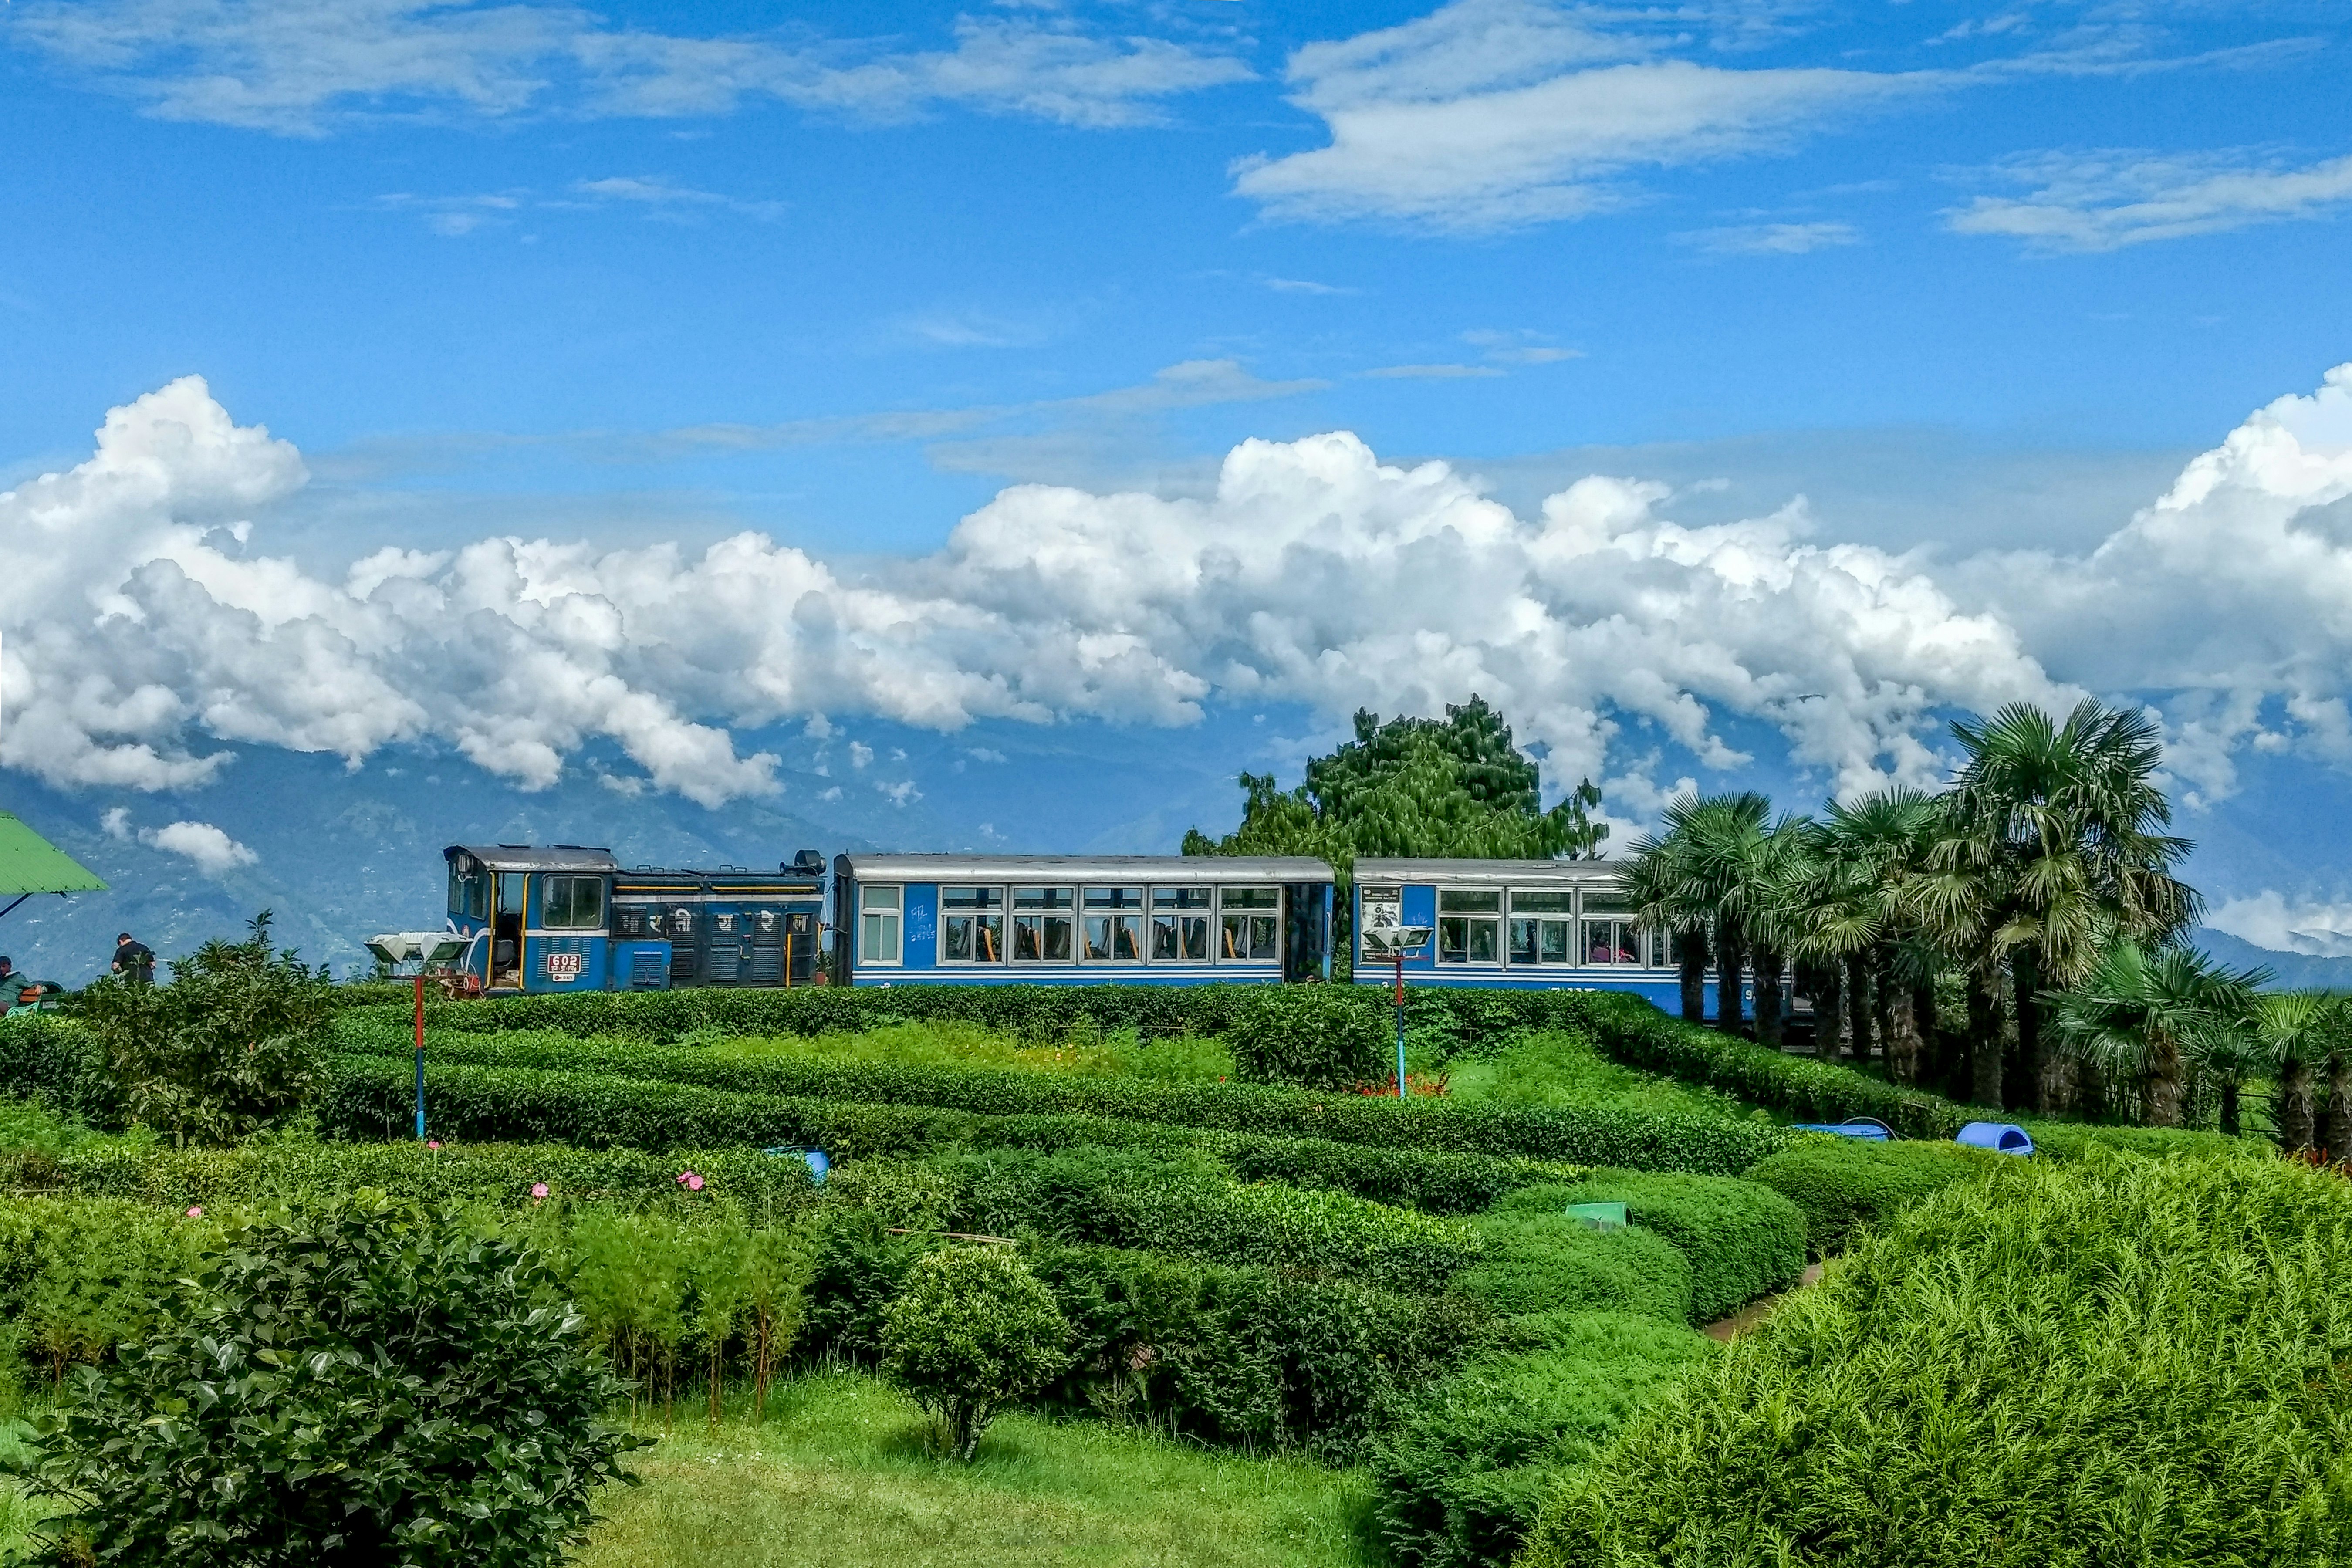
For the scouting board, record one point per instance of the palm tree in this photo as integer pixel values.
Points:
(2293, 1030)
(2051, 845)
(1712, 877)
(2143, 1015)
(1851, 905)
(1663, 896)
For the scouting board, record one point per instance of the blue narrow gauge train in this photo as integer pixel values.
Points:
(1163, 919)
(1515, 923)
(568, 918)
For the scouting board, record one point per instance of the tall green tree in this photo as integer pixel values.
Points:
(1713, 876)
(2294, 1030)
(1455, 788)
(1850, 906)
(2053, 845)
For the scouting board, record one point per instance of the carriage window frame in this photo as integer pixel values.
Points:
(1184, 914)
(881, 917)
(1543, 932)
(985, 915)
(1470, 918)
(1037, 910)
(1617, 914)
(1251, 911)
(1121, 917)
(559, 901)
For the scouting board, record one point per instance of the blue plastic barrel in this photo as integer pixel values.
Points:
(2007, 1137)
(817, 1162)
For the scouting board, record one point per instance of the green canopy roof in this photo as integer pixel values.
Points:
(31, 864)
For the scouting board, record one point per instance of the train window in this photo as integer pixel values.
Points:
(1114, 926)
(1541, 932)
(1609, 936)
(457, 890)
(877, 925)
(1251, 924)
(972, 920)
(572, 903)
(1044, 925)
(1469, 927)
(1179, 925)
(511, 895)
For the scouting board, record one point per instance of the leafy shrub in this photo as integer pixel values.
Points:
(238, 1038)
(636, 1097)
(80, 1276)
(1545, 1262)
(361, 1383)
(1741, 1240)
(1563, 1066)
(1120, 1198)
(768, 1188)
(1843, 1184)
(60, 1064)
(1461, 1473)
(2115, 1360)
(1311, 1037)
(972, 1333)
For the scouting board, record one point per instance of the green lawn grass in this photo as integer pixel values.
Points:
(1190, 1058)
(839, 1475)
(1566, 1068)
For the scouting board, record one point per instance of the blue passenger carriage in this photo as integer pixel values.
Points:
(569, 918)
(1515, 923)
(1061, 919)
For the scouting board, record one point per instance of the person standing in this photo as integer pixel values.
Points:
(134, 960)
(13, 985)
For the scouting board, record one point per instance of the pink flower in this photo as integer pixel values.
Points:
(434, 1145)
(538, 1191)
(196, 1211)
(693, 1182)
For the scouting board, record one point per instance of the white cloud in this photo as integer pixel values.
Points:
(1491, 114)
(213, 850)
(1431, 372)
(305, 66)
(2267, 920)
(2105, 201)
(116, 821)
(140, 635)
(1771, 239)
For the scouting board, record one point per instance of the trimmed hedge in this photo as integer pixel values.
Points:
(1184, 1209)
(2113, 1360)
(1464, 1469)
(1236, 1357)
(372, 1100)
(1741, 1239)
(1843, 1184)
(769, 1187)
(1545, 1262)
(1582, 1134)
(56, 1062)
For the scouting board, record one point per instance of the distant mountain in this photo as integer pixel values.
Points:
(340, 854)
(2289, 971)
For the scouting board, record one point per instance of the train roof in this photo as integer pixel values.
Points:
(1518, 873)
(523, 857)
(1161, 869)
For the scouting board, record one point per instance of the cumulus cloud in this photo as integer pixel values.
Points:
(2268, 919)
(2105, 201)
(1771, 239)
(145, 626)
(213, 850)
(1491, 114)
(305, 67)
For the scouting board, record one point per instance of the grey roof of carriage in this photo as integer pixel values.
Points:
(523, 857)
(1164, 868)
(1485, 873)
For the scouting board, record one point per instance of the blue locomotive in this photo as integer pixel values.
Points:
(571, 917)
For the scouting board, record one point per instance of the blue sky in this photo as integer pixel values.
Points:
(1883, 321)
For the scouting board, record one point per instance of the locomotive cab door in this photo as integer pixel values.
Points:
(505, 932)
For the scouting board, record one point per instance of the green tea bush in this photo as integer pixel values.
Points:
(78, 1276)
(59, 1064)
(972, 1333)
(1545, 1262)
(1741, 1240)
(639, 1097)
(1471, 1458)
(360, 1383)
(2113, 1360)
(1843, 1184)
(1309, 1036)
(1120, 1198)
(1231, 1356)
(768, 1186)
